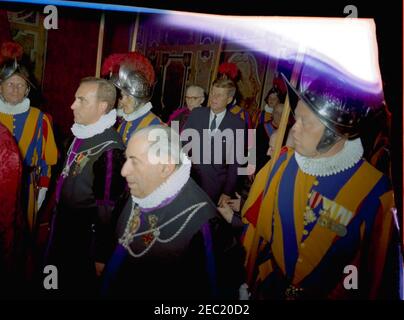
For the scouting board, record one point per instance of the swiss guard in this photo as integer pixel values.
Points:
(134, 76)
(320, 224)
(32, 129)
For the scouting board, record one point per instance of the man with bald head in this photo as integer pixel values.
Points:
(194, 97)
(171, 242)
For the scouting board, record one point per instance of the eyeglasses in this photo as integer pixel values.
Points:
(192, 98)
(18, 86)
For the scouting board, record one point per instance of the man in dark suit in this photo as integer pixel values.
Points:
(222, 136)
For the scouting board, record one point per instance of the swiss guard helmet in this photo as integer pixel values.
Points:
(340, 101)
(135, 76)
(11, 68)
(132, 82)
(10, 54)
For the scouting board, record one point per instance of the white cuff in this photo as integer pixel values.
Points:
(41, 196)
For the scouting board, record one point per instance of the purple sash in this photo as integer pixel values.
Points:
(76, 145)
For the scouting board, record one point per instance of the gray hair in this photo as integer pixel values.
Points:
(163, 140)
(197, 88)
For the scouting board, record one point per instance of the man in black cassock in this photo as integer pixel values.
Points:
(87, 189)
(172, 244)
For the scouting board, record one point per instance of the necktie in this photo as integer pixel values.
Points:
(213, 124)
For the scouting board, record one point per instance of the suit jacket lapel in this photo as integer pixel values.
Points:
(205, 124)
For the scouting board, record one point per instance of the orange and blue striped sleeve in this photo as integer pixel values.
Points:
(49, 153)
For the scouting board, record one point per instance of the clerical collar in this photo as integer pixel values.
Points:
(138, 112)
(268, 109)
(166, 192)
(350, 154)
(18, 108)
(87, 131)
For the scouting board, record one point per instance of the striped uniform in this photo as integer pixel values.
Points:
(302, 230)
(33, 132)
(270, 127)
(261, 117)
(243, 114)
(127, 128)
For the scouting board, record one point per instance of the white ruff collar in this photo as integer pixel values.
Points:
(138, 112)
(84, 132)
(119, 112)
(168, 189)
(268, 109)
(350, 154)
(18, 108)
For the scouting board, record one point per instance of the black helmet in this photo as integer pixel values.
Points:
(11, 68)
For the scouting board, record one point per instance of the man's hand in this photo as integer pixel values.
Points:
(41, 197)
(99, 268)
(243, 293)
(226, 212)
(224, 198)
(235, 204)
(251, 172)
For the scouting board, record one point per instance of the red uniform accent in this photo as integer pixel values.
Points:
(11, 219)
(252, 213)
